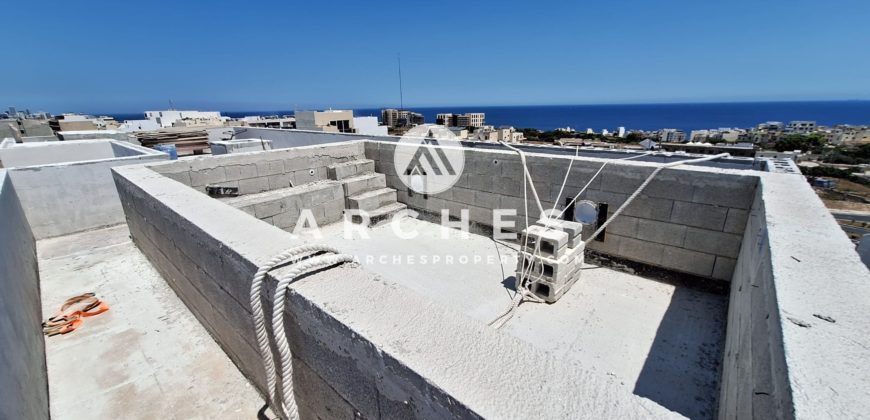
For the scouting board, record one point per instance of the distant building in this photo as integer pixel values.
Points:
(800, 127)
(773, 154)
(505, 134)
(459, 132)
(470, 119)
(671, 135)
(395, 118)
(620, 132)
(129, 126)
(334, 121)
(272, 121)
(369, 126)
(848, 135)
(168, 118)
(648, 144)
(72, 122)
(738, 149)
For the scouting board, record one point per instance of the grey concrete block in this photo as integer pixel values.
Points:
(463, 195)
(648, 207)
(486, 200)
(270, 167)
(661, 232)
(688, 261)
(304, 176)
(207, 177)
(280, 181)
(269, 208)
(610, 245)
(510, 187)
(344, 170)
(253, 185)
(321, 194)
(723, 190)
(671, 185)
(642, 251)
(286, 220)
(699, 215)
(623, 225)
(612, 199)
(736, 221)
(480, 182)
(724, 268)
(717, 243)
(371, 200)
(333, 210)
(573, 229)
(239, 172)
(359, 184)
(182, 177)
(623, 179)
(552, 242)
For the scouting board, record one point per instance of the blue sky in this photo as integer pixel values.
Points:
(122, 56)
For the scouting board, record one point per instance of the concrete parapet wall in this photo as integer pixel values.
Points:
(283, 138)
(283, 207)
(257, 172)
(23, 376)
(797, 319)
(68, 196)
(357, 351)
(689, 219)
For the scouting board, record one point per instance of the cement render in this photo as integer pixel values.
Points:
(23, 378)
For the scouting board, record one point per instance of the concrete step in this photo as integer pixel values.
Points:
(361, 183)
(371, 200)
(380, 214)
(340, 171)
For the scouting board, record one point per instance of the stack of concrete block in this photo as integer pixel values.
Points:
(365, 190)
(551, 257)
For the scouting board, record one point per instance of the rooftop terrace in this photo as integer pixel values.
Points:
(706, 298)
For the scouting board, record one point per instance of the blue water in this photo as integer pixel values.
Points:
(642, 117)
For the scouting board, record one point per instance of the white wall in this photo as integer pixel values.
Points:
(67, 197)
(23, 377)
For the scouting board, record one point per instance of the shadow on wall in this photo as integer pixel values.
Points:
(682, 369)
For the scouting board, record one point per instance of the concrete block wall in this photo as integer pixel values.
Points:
(258, 172)
(795, 343)
(23, 376)
(63, 197)
(283, 207)
(687, 220)
(348, 362)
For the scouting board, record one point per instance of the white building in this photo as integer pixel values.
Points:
(369, 126)
(129, 126)
(168, 117)
(620, 132)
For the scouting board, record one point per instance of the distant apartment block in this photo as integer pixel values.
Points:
(470, 119)
(848, 135)
(800, 127)
(330, 121)
(672, 135)
(400, 118)
(73, 122)
(272, 121)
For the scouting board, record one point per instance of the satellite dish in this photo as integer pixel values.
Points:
(586, 212)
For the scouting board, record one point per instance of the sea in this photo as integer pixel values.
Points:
(685, 116)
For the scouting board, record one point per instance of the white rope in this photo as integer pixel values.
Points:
(289, 402)
(527, 175)
(292, 255)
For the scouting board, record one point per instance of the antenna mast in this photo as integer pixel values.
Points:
(401, 96)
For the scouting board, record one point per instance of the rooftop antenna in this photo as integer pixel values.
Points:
(401, 96)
